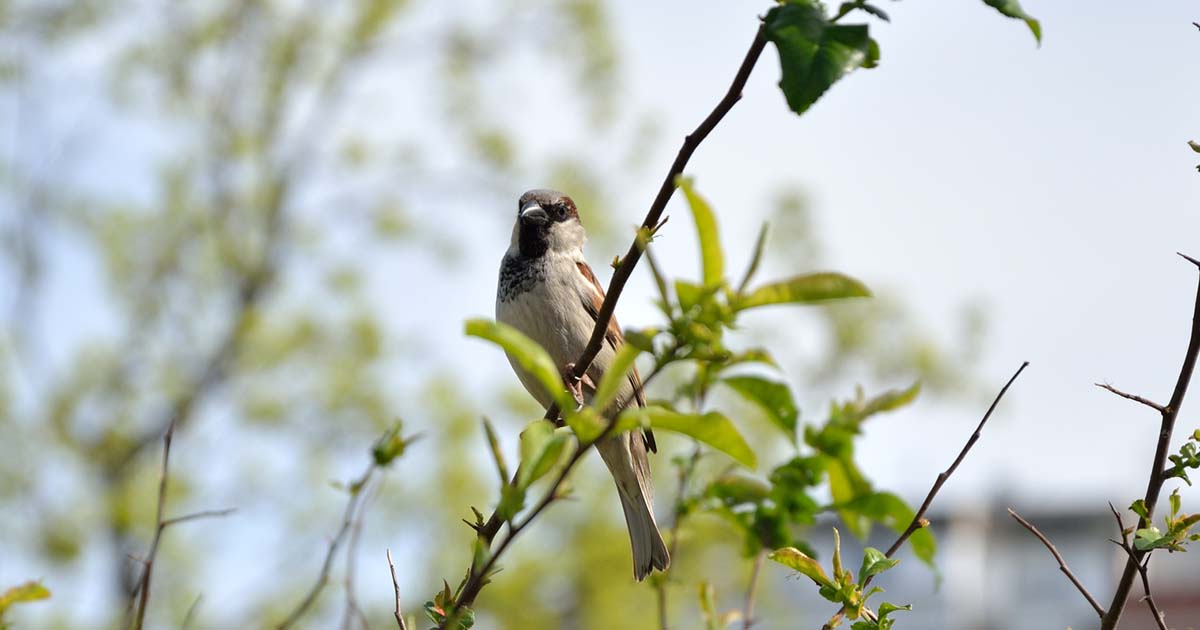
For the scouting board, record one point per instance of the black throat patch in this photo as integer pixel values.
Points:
(533, 240)
(518, 274)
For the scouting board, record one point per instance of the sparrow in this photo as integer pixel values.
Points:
(548, 292)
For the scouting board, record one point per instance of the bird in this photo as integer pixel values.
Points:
(547, 291)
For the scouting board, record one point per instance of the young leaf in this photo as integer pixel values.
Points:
(23, 593)
(759, 244)
(711, 428)
(1012, 9)
(497, 454)
(874, 562)
(1149, 538)
(774, 398)
(1139, 507)
(541, 449)
(711, 256)
(813, 53)
(526, 353)
(805, 289)
(708, 609)
(890, 400)
(615, 376)
(796, 560)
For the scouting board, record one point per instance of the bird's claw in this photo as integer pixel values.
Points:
(574, 383)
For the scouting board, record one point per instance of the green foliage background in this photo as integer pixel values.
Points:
(230, 270)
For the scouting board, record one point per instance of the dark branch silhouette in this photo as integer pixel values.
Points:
(918, 520)
(1062, 564)
(1158, 470)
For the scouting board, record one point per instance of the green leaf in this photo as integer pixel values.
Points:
(1175, 502)
(1195, 147)
(805, 289)
(735, 489)
(615, 376)
(23, 593)
(874, 562)
(1139, 507)
(756, 259)
(708, 609)
(814, 54)
(525, 352)
(588, 424)
(711, 428)
(1012, 9)
(890, 400)
(541, 448)
(796, 560)
(711, 256)
(497, 454)
(774, 398)
(1149, 538)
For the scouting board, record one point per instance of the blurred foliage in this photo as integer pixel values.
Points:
(199, 203)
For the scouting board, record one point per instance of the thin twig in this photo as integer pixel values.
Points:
(752, 590)
(396, 587)
(191, 613)
(487, 532)
(1158, 468)
(1143, 568)
(142, 590)
(198, 515)
(1062, 564)
(918, 520)
(1149, 403)
(326, 566)
(352, 608)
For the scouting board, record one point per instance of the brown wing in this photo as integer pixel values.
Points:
(615, 339)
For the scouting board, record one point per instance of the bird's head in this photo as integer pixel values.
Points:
(547, 220)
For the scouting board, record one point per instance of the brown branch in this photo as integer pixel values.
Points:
(919, 521)
(1062, 564)
(1133, 564)
(396, 587)
(1149, 403)
(358, 490)
(352, 608)
(1143, 568)
(487, 532)
(142, 591)
(752, 590)
(669, 184)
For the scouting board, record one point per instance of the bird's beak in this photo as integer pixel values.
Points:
(533, 214)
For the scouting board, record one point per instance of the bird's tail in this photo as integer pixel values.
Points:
(626, 458)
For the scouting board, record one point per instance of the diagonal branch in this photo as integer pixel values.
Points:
(919, 521)
(142, 591)
(1062, 564)
(358, 490)
(396, 587)
(1134, 397)
(1158, 469)
(1143, 568)
(651, 222)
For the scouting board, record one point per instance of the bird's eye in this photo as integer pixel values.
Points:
(560, 211)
